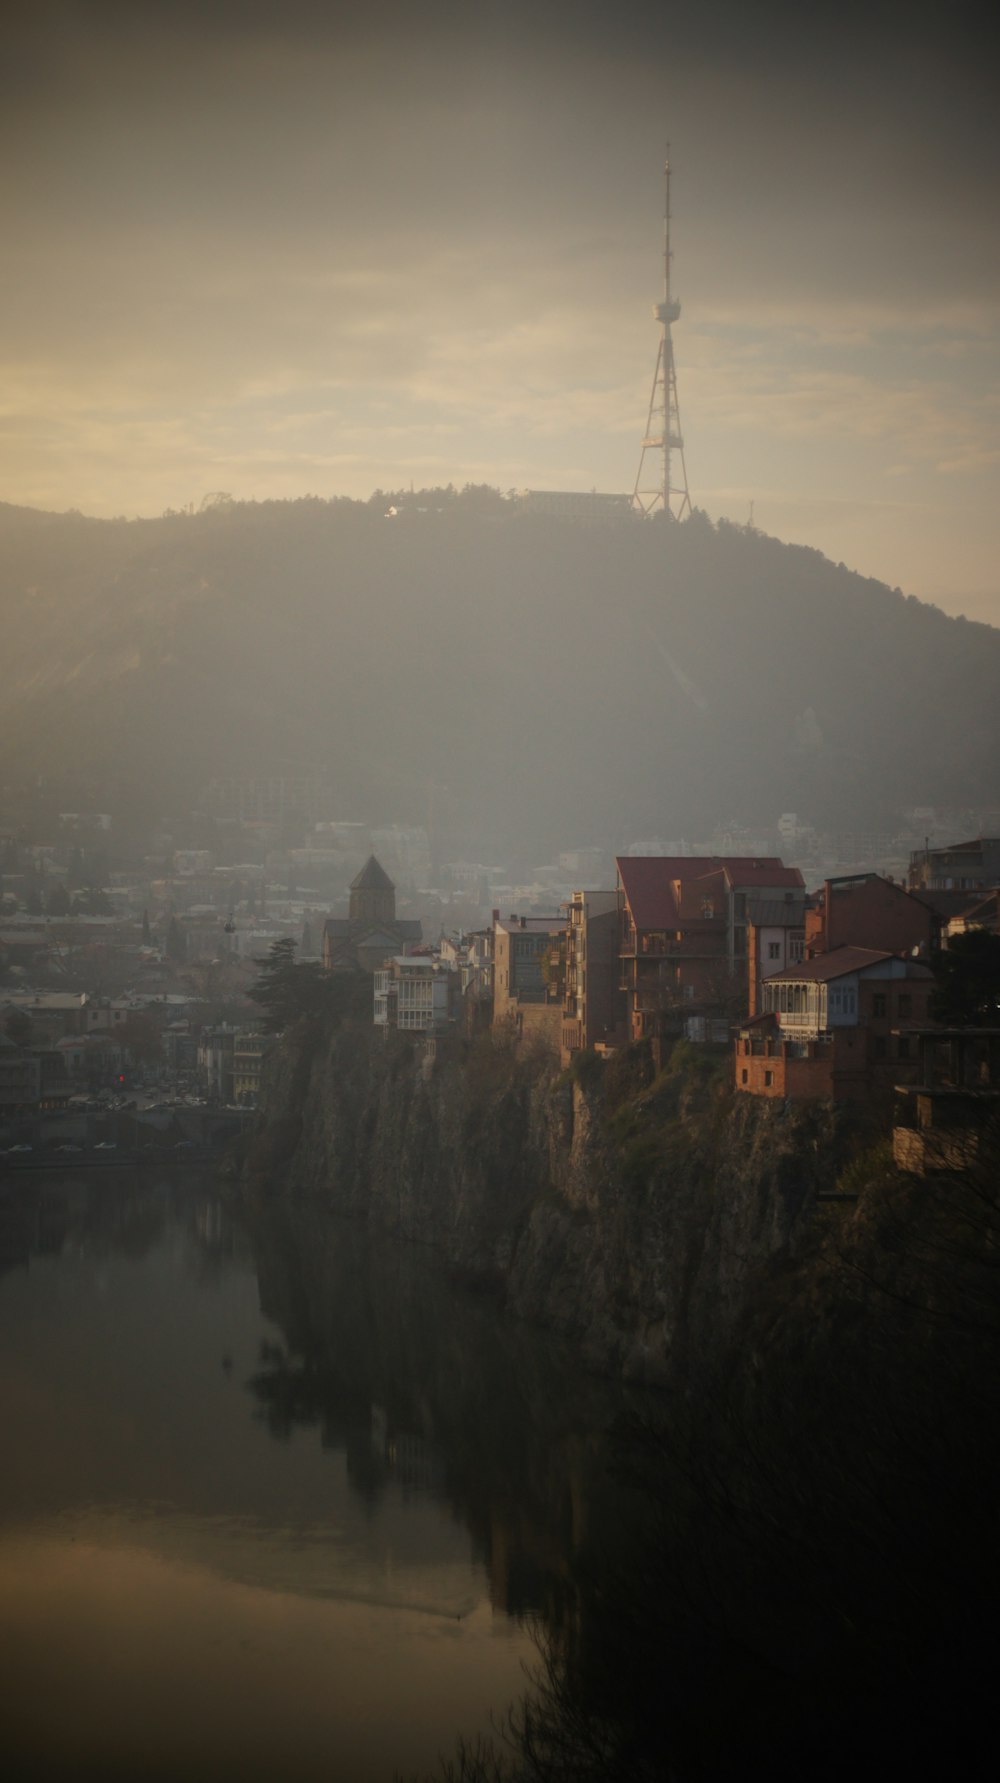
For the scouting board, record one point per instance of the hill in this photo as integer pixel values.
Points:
(554, 683)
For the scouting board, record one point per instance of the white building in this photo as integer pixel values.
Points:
(415, 993)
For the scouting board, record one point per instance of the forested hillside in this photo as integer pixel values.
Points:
(554, 683)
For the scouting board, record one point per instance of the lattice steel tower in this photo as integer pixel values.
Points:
(658, 487)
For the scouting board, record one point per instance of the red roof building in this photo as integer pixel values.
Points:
(684, 932)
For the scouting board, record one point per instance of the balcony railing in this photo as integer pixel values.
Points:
(654, 945)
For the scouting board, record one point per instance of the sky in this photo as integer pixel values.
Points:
(278, 250)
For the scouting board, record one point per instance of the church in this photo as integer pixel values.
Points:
(371, 932)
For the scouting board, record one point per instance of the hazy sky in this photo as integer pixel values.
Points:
(286, 248)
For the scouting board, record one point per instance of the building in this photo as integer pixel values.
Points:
(979, 913)
(836, 1027)
(684, 936)
(32, 1078)
(249, 1048)
(52, 1013)
(471, 954)
(868, 910)
(775, 940)
(215, 1061)
(963, 866)
(371, 931)
(526, 995)
(950, 1116)
(593, 1004)
(416, 994)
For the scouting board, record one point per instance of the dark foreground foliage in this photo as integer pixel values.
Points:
(809, 1583)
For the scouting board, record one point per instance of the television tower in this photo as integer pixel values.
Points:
(659, 487)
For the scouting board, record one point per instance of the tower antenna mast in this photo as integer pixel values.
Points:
(659, 487)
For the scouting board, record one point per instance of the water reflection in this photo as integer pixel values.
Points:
(273, 1503)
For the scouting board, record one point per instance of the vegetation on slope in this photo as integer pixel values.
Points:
(632, 676)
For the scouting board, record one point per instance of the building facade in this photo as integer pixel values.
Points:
(593, 1004)
(684, 939)
(835, 1028)
(416, 994)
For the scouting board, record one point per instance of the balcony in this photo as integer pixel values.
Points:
(648, 946)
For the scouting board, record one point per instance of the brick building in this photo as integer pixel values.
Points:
(867, 910)
(832, 1027)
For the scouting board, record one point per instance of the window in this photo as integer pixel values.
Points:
(774, 950)
(768, 1079)
(905, 1004)
(903, 1048)
(878, 1003)
(744, 1075)
(881, 1046)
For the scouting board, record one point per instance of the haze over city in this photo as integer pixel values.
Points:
(327, 250)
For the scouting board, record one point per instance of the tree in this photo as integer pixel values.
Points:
(17, 1027)
(287, 991)
(57, 901)
(92, 901)
(141, 1035)
(968, 980)
(176, 948)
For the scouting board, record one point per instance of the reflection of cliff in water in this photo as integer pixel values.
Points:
(426, 1388)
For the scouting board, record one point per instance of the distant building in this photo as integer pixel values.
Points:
(32, 1078)
(963, 866)
(216, 1048)
(249, 1048)
(370, 933)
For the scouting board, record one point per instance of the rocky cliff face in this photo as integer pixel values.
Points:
(632, 1214)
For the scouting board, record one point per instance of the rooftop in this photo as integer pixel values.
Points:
(839, 963)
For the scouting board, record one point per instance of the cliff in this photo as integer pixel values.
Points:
(632, 1212)
(811, 1536)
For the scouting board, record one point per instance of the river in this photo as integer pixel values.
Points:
(272, 1503)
